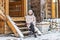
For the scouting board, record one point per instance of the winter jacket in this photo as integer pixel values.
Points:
(30, 19)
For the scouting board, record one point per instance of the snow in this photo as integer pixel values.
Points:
(52, 36)
(49, 36)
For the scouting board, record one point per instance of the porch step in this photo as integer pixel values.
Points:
(20, 21)
(26, 32)
(23, 28)
(18, 24)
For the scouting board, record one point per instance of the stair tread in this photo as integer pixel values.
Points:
(23, 28)
(25, 32)
(20, 23)
(18, 19)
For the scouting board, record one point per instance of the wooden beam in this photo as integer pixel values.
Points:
(53, 10)
(13, 27)
(25, 7)
(7, 7)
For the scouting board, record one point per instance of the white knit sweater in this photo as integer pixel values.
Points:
(30, 19)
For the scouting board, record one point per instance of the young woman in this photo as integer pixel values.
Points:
(31, 22)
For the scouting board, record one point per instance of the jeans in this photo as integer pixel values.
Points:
(32, 29)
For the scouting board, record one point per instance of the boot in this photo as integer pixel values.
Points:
(35, 35)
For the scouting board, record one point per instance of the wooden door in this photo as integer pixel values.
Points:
(16, 9)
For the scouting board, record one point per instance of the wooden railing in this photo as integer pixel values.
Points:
(13, 27)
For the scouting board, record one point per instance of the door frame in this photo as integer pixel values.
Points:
(16, 18)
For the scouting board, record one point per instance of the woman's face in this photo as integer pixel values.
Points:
(30, 12)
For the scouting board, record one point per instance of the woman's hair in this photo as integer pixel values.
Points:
(32, 12)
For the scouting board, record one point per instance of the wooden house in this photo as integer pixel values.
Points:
(15, 11)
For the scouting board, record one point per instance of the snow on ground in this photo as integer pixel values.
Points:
(9, 38)
(51, 36)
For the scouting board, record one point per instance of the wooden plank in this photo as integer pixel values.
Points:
(12, 28)
(25, 7)
(7, 30)
(26, 32)
(18, 24)
(18, 18)
(7, 7)
(14, 13)
(23, 28)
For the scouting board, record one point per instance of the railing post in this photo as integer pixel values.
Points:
(14, 28)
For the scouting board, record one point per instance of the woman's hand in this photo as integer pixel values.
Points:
(28, 25)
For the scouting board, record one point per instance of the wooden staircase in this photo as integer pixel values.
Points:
(19, 27)
(22, 26)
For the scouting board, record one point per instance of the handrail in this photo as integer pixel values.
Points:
(13, 27)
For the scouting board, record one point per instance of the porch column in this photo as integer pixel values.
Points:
(53, 9)
(25, 6)
(7, 7)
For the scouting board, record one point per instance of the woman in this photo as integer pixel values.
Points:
(31, 21)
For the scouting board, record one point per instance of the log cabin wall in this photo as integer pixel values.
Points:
(2, 25)
(59, 8)
(48, 8)
(51, 9)
(4, 29)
